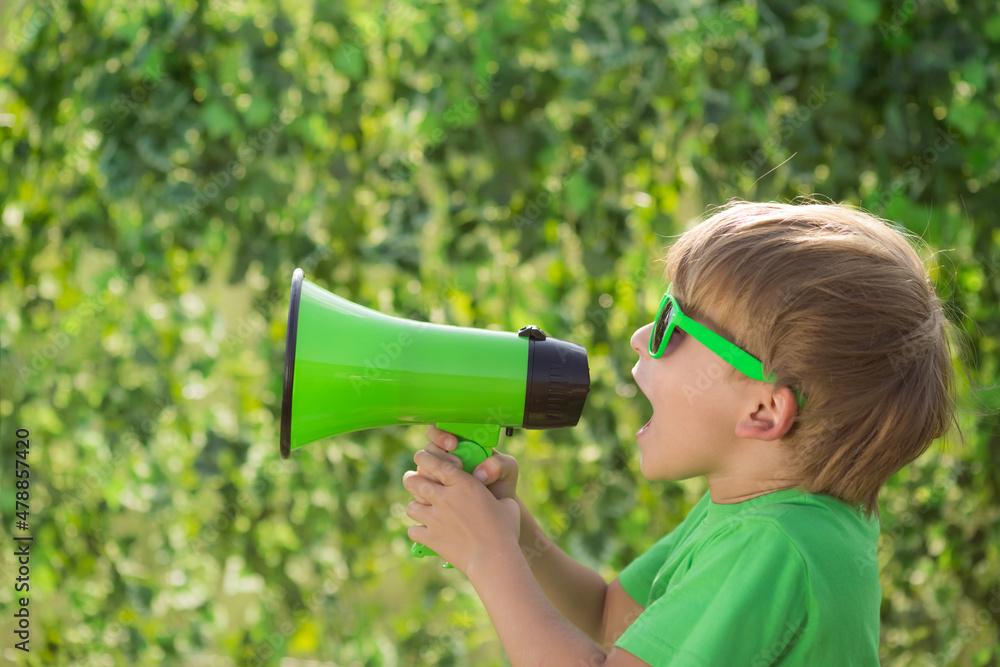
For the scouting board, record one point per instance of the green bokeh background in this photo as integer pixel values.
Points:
(166, 166)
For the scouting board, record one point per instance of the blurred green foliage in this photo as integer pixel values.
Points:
(167, 164)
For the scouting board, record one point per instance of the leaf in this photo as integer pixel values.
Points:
(992, 27)
(968, 117)
(219, 121)
(579, 193)
(863, 12)
(350, 60)
(259, 112)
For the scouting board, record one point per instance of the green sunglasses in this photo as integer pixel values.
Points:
(669, 316)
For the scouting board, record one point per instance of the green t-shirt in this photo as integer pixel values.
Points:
(787, 578)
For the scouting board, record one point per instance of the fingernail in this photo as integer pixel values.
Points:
(480, 475)
(453, 442)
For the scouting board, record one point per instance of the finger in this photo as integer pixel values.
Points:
(443, 471)
(442, 454)
(417, 534)
(426, 475)
(443, 439)
(423, 472)
(419, 512)
(420, 486)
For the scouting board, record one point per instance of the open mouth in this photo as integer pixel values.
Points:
(643, 393)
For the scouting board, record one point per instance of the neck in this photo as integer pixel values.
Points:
(728, 489)
(755, 468)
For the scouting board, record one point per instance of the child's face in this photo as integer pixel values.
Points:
(696, 405)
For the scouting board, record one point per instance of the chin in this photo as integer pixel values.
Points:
(658, 472)
(652, 472)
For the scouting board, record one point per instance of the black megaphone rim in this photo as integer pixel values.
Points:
(286, 393)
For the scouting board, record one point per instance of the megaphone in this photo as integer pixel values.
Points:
(349, 368)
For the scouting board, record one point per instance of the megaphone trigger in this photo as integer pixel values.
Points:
(475, 442)
(471, 453)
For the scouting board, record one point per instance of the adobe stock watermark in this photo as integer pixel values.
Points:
(787, 125)
(308, 606)
(124, 105)
(454, 116)
(116, 631)
(361, 37)
(595, 316)
(901, 13)
(42, 13)
(454, 636)
(910, 353)
(893, 527)
(569, 10)
(705, 379)
(917, 165)
(540, 543)
(235, 169)
(97, 476)
(231, 511)
(263, 309)
(713, 27)
(70, 327)
(381, 365)
(627, 620)
(611, 130)
(790, 635)
(968, 628)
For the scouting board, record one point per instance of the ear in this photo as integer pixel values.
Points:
(770, 416)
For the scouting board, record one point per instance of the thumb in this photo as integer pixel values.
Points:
(485, 472)
(496, 467)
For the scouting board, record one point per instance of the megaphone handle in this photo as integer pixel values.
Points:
(471, 454)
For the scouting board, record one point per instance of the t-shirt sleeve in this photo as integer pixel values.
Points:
(743, 601)
(637, 577)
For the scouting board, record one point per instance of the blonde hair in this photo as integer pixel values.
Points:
(838, 305)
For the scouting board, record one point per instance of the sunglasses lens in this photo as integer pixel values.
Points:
(660, 327)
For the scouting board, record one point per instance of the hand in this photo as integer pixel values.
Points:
(462, 521)
(498, 472)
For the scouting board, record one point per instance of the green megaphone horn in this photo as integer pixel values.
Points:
(349, 368)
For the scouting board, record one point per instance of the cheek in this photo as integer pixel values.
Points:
(703, 386)
(697, 409)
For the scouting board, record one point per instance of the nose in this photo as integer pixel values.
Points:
(640, 340)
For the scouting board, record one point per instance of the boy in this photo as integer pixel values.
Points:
(826, 349)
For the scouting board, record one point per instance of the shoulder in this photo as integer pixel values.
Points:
(815, 519)
(818, 535)
(750, 538)
(797, 525)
